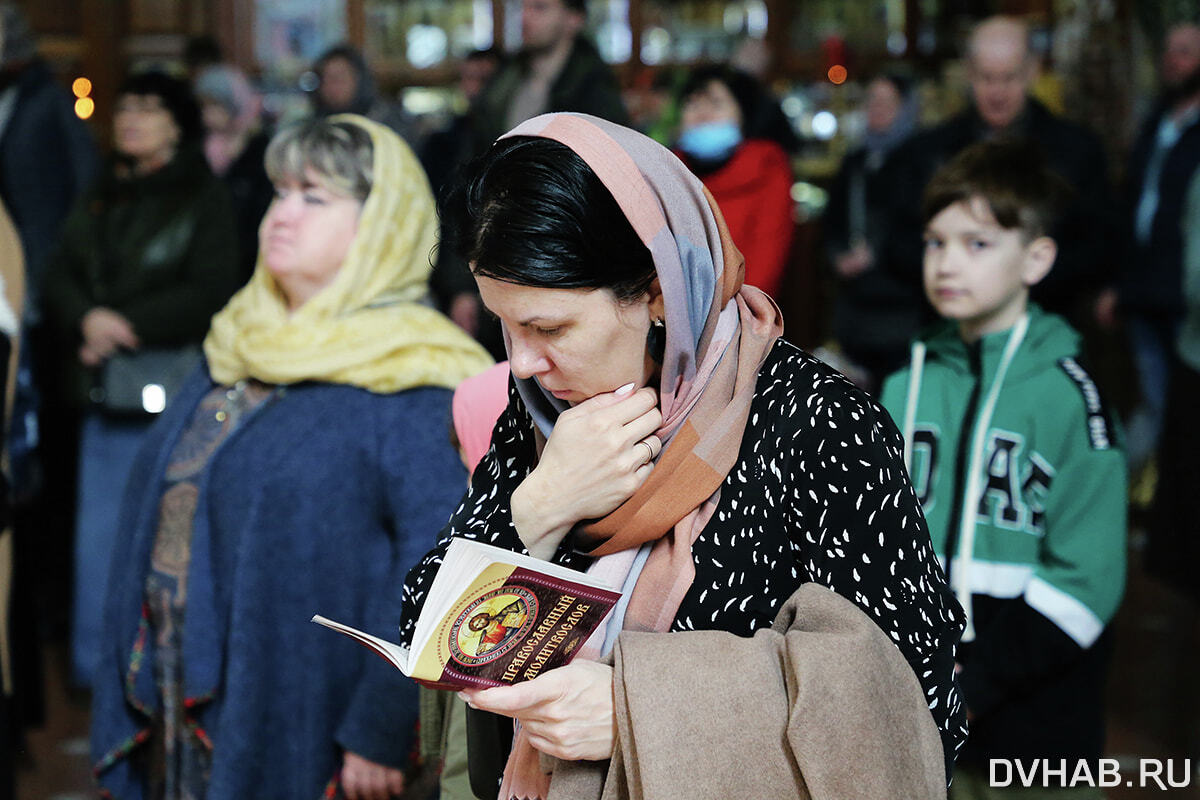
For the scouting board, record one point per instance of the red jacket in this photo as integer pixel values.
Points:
(754, 192)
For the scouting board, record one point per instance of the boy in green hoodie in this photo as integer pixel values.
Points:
(1016, 461)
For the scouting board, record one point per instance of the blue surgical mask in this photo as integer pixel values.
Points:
(711, 141)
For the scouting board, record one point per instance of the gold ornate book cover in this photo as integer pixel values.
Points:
(517, 618)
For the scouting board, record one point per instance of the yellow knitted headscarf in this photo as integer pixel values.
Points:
(366, 328)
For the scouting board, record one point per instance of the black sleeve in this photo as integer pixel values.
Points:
(179, 313)
(860, 531)
(902, 181)
(67, 294)
(1019, 649)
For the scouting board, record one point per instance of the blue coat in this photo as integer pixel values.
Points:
(319, 502)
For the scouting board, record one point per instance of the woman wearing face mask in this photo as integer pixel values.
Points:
(736, 140)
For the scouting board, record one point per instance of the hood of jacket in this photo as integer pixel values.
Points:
(1049, 338)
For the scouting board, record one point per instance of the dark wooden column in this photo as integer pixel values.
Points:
(356, 25)
(232, 23)
(779, 35)
(102, 25)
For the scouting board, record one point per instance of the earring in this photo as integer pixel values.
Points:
(656, 340)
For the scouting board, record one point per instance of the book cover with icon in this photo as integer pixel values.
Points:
(517, 617)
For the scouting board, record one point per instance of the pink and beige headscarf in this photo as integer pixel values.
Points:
(718, 333)
(478, 402)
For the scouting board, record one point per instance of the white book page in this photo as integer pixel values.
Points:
(397, 655)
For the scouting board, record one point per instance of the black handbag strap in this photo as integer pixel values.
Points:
(489, 740)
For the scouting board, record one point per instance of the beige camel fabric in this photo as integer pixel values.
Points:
(822, 705)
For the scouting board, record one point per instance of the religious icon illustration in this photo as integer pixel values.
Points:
(492, 625)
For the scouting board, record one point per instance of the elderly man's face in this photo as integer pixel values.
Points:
(1000, 71)
(1181, 55)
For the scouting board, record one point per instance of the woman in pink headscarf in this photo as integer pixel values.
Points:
(750, 503)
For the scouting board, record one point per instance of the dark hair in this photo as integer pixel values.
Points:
(530, 211)
(486, 54)
(176, 97)
(364, 95)
(202, 51)
(346, 52)
(576, 5)
(341, 153)
(762, 117)
(1010, 176)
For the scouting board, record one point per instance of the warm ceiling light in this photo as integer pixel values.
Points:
(82, 87)
(84, 107)
(837, 74)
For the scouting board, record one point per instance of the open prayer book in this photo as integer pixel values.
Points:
(517, 617)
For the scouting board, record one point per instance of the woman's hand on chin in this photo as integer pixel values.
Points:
(568, 712)
(592, 463)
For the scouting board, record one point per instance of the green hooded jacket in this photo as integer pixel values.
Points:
(1039, 561)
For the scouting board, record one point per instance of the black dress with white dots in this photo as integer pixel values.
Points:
(819, 493)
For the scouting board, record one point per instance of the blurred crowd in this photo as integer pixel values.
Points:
(114, 264)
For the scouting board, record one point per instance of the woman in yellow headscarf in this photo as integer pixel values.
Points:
(306, 471)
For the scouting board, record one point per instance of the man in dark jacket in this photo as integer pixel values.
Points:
(1001, 69)
(557, 70)
(47, 160)
(1149, 288)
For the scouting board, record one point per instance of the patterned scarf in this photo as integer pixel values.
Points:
(368, 327)
(718, 333)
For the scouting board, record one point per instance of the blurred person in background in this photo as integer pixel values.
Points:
(441, 155)
(47, 159)
(731, 139)
(305, 468)
(235, 144)
(1148, 292)
(875, 312)
(557, 69)
(1173, 546)
(445, 149)
(346, 86)
(200, 53)
(1001, 69)
(753, 57)
(47, 155)
(144, 260)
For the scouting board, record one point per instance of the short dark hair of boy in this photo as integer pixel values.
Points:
(1010, 176)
